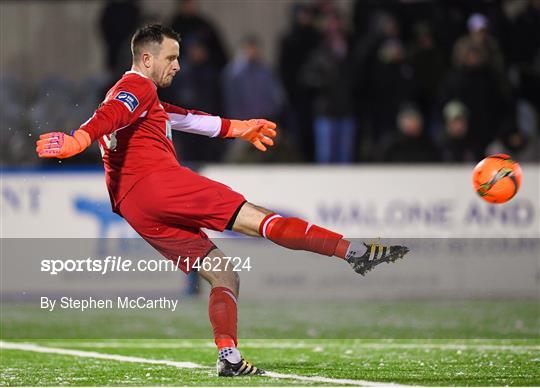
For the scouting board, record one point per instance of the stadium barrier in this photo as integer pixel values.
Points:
(461, 246)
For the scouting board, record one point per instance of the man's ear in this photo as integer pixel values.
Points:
(147, 60)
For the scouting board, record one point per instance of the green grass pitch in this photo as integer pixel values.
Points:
(410, 343)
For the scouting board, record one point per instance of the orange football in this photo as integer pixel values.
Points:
(497, 178)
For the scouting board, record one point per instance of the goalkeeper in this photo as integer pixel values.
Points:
(168, 204)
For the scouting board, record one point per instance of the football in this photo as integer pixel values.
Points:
(497, 178)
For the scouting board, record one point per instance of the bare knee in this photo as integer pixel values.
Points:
(220, 275)
(249, 218)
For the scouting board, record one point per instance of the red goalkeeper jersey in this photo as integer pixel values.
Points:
(134, 130)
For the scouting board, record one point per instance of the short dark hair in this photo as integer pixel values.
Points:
(151, 33)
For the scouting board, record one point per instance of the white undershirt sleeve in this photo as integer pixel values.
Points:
(198, 124)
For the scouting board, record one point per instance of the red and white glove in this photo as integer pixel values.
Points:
(259, 132)
(61, 145)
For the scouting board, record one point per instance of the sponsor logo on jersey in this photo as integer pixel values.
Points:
(129, 100)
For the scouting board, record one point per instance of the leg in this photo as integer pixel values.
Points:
(249, 218)
(323, 140)
(347, 140)
(223, 312)
(335, 139)
(294, 233)
(192, 287)
(226, 279)
(222, 306)
(170, 219)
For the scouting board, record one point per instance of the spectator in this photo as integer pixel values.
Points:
(472, 82)
(526, 52)
(393, 84)
(328, 73)
(191, 25)
(525, 39)
(119, 19)
(429, 64)
(197, 85)
(480, 36)
(455, 143)
(251, 90)
(412, 144)
(363, 11)
(382, 27)
(522, 144)
(295, 48)
(408, 12)
(250, 87)
(518, 145)
(198, 82)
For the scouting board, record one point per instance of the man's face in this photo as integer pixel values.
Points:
(457, 127)
(410, 125)
(251, 51)
(164, 65)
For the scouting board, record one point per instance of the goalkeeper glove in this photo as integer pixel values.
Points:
(259, 132)
(60, 145)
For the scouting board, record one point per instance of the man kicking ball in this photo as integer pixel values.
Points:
(168, 204)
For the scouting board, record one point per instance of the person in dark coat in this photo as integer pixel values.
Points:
(118, 22)
(411, 144)
(191, 25)
(473, 82)
(328, 74)
(295, 49)
(455, 144)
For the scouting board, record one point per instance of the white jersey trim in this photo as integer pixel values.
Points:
(136, 72)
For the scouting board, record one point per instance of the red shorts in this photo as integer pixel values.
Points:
(168, 209)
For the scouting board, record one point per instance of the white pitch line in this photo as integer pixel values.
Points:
(182, 365)
(328, 380)
(453, 347)
(296, 345)
(81, 353)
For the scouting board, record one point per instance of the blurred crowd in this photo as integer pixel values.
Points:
(395, 81)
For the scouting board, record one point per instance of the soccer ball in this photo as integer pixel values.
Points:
(497, 178)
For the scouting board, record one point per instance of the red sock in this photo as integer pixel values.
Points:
(222, 309)
(295, 233)
(342, 248)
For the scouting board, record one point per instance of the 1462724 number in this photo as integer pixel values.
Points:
(218, 264)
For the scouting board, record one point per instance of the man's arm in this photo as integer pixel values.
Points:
(195, 121)
(259, 132)
(117, 112)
